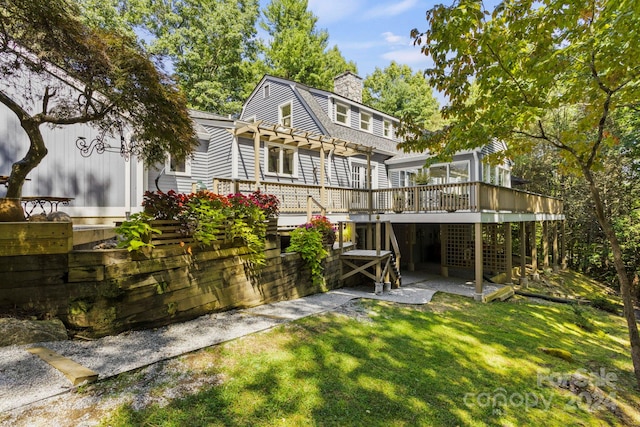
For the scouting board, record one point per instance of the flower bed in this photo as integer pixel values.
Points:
(203, 217)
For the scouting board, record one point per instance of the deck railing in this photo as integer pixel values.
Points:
(468, 196)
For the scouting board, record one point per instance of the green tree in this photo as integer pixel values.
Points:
(209, 45)
(547, 72)
(397, 90)
(297, 50)
(44, 43)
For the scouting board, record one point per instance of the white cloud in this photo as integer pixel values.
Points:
(412, 57)
(390, 9)
(329, 11)
(392, 38)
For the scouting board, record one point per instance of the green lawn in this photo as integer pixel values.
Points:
(451, 362)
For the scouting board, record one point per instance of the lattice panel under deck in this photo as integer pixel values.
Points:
(459, 247)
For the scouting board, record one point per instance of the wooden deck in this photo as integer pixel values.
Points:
(436, 198)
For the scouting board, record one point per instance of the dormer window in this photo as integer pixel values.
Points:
(285, 115)
(365, 121)
(342, 114)
(387, 129)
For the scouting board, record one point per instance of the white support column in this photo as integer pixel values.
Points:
(478, 261)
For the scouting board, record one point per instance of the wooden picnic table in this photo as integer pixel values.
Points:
(50, 203)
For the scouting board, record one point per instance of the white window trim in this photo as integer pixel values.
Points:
(335, 114)
(251, 119)
(363, 163)
(370, 130)
(265, 161)
(290, 103)
(187, 167)
(266, 91)
(390, 123)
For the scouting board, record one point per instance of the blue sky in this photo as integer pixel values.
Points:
(372, 33)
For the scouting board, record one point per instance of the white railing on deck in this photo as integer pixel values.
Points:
(467, 196)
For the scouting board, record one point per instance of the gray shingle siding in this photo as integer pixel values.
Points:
(220, 154)
(268, 109)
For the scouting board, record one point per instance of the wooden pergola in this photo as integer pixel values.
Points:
(261, 131)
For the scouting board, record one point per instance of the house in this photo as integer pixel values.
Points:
(318, 151)
(303, 143)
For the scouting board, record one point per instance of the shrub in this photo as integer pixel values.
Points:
(307, 241)
(267, 202)
(136, 233)
(169, 205)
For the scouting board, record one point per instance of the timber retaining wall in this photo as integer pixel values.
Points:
(103, 292)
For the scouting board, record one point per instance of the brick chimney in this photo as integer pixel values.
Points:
(348, 85)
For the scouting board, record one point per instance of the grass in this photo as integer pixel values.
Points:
(451, 362)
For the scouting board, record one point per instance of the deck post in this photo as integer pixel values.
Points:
(369, 184)
(323, 190)
(535, 276)
(555, 255)
(444, 262)
(563, 245)
(379, 284)
(508, 250)
(412, 241)
(545, 244)
(478, 260)
(523, 255)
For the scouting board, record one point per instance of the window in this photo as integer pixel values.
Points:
(459, 172)
(265, 91)
(281, 160)
(449, 173)
(496, 175)
(358, 176)
(285, 115)
(488, 174)
(407, 179)
(504, 179)
(342, 114)
(174, 166)
(365, 121)
(387, 129)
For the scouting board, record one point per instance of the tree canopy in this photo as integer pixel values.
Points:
(209, 45)
(397, 90)
(297, 50)
(56, 70)
(544, 72)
